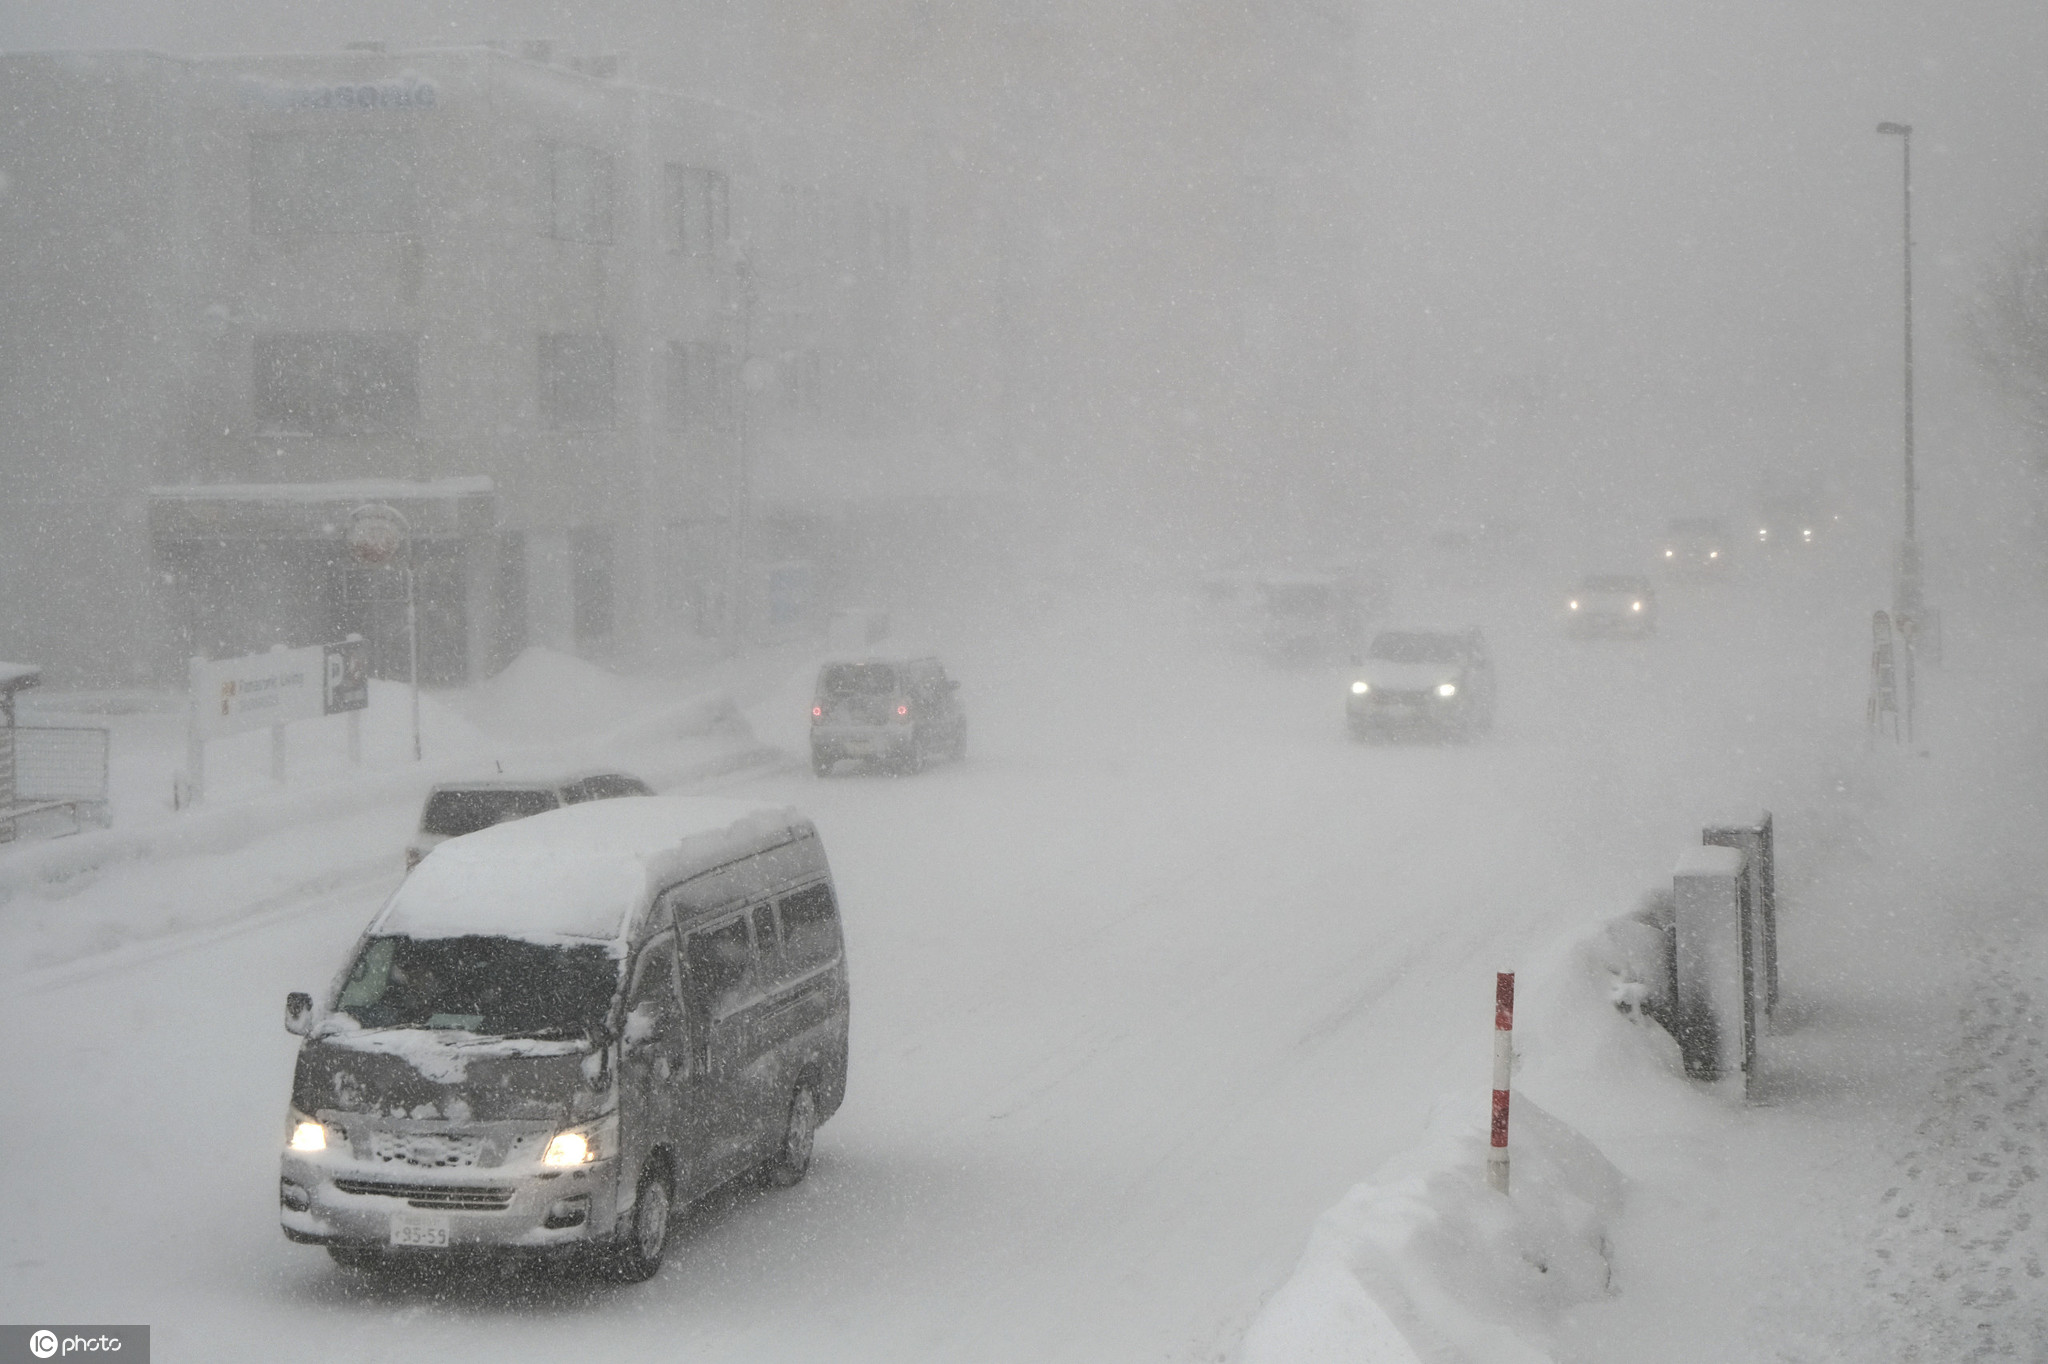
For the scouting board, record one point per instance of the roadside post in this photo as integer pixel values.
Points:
(1715, 1002)
(1884, 691)
(1503, 1067)
(376, 533)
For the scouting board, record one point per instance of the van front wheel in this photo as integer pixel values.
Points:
(793, 1157)
(638, 1256)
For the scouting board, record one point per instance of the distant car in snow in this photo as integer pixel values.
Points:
(1436, 683)
(455, 808)
(897, 712)
(1697, 545)
(1612, 604)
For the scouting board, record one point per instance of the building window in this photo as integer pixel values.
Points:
(590, 582)
(333, 182)
(579, 193)
(337, 383)
(701, 389)
(576, 387)
(699, 210)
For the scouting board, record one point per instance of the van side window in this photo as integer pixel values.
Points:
(810, 928)
(765, 949)
(721, 966)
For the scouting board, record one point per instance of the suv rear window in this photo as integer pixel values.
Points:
(857, 679)
(454, 813)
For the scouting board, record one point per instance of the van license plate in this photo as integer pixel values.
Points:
(418, 1229)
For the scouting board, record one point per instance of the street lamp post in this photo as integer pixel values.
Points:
(1906, 602)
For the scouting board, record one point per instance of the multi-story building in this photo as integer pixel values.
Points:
(612, 351)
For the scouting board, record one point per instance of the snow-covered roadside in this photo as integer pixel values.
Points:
(1881, 1195)
(332, 825)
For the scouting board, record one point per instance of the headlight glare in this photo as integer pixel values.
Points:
(307, 1135)
(581, 1145)
(1446, 689)
(1359, 688)
(568, 1148)
(1635, 606)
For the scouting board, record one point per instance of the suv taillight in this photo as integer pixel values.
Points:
(817, 714)
(903, 713)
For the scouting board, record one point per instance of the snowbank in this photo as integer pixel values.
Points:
(1425, 1264)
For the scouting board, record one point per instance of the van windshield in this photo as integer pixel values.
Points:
(857, 679)
(454, 813)
(497, 987)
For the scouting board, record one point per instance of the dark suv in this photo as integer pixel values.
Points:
(455, 808)
(897, 712)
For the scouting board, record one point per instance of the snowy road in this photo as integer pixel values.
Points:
(1138, 990)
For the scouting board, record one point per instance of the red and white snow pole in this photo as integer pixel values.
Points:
(1503, 1060)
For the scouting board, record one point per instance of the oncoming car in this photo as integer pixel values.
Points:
(1612, 604)
(1696, 544)
(1429, 682)
(558, 1031)
(455, 808)
(898, 712)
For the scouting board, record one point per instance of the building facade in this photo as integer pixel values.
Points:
(618, 356)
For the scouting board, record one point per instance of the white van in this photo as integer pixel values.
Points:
(560, 1029)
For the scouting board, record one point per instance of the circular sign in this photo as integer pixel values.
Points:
(374, 537)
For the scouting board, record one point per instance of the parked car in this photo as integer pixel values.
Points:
(455, 808)
(1612, 604)
(898, 712)
(559, 1031)
(1423, 682)
(1698, 545)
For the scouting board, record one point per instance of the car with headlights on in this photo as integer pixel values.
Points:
(1697, 545)
(561, 1031)
(1425, 683)
(1612, 604)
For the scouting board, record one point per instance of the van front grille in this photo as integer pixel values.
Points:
(448, 1197)
(428, 1150)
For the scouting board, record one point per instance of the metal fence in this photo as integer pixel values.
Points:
(59, 780)
(52, 763)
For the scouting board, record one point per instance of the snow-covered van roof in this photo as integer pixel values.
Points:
(577, 874)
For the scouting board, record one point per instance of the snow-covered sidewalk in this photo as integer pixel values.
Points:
(260, 846)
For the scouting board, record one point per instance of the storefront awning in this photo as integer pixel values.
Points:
(436, 508)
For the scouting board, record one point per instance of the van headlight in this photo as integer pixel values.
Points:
(584, 1144)
(1359, 688)
(1446, 689)
(305, 1134)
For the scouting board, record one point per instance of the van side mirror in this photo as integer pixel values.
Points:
(298, 1013)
